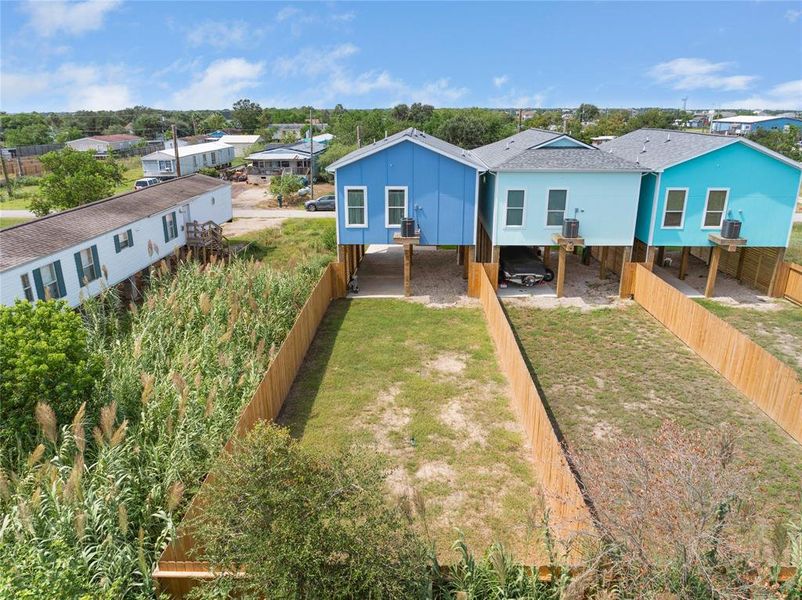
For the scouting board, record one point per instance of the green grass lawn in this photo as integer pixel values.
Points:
(605, 372)
(421, 386)
(794, 252)
(9, 221)
(132, 170)
(778, 331)
(295, 241)
(22, 198)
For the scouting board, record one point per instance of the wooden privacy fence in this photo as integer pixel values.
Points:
(175, 573)
(568, 510)
(789, 282)
(772, 385)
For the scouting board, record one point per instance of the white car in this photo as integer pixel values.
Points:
(141, 184)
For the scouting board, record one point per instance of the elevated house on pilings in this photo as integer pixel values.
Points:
(696, 183)
(536, 180)
(77, 253)
(408, 175)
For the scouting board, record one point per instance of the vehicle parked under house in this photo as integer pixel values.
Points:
(79, 252)
(410, 174)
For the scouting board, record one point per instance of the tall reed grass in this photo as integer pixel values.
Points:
(89, 511)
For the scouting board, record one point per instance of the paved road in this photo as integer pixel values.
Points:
(280, 213)
(239, 213)
(798, 217)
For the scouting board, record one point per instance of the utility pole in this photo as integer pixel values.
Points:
(5, 174)
(175, 151)
(358, 138)
(520, 118)
(311, 156)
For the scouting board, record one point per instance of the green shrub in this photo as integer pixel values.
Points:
(210, 171)
(43, 357)
(307, 526)
(286, 185)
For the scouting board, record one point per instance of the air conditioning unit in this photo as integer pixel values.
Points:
(570, 228)
(731, 229)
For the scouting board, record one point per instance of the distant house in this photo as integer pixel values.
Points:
(698, 121)
(241, 143)
(746, 124)
(283, 128)
(287, 158)
(103, 144)
(194, 157)
(77, 253)
(600, 139)
(323, 139)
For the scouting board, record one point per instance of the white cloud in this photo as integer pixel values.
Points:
(500, 80)
(313, 62)
(70, 87)
(699, 73)
(221, 34)
(787, 95)
(219, 85)
(287, 13)
(74, 18)
(792, 16)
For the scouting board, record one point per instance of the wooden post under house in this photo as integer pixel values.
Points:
(623, 284)
(602, 262)
(566, 245)
(683, 261)
(731, 245)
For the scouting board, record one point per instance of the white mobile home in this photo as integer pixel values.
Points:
(241, 143)
(102, 144)
(193, 157)
(77, 253)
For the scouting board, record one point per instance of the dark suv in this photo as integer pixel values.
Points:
(322, 203)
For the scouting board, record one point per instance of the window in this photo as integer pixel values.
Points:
(356, 209)
(27, 288)
(555, 207)
(86, 264)
(395, 206)
(515, 208)
(214, 157)
(166, 166)
(195, 160)
(123, 240)
(170, 226)
(674, 214)
(49, 281)
(715, 206)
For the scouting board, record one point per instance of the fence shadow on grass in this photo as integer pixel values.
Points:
(298, 408)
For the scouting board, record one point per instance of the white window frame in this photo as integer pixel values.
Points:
(364, 190)
(565, 210)
(123, 241)
(684, 208)
(387, 190)
(172, 225)
(85, 254)
(723, 210)
(506, 208)
(50, 269)
(27, 287)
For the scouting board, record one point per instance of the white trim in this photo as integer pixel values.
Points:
(494, 236)
(564, 136)
(655, 197)
(405, 138)
(523, 209)
(684, 208)
(364, 190)
(793, 212)
(565, 210)
(337, 212)
(723, 210)
(476, 212)
(387, 189)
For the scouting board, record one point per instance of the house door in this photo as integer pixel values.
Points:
(187, 217)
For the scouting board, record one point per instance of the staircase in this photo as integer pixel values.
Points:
(206, 239)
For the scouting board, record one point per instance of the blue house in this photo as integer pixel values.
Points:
(407, 175)
(698, 180)
(536, 179)
(746, 124)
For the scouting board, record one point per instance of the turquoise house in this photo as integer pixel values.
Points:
(536, 179)
(696, 181)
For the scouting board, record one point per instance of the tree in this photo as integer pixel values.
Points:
(246, 114)
(334, 151)
(306, 526)
(74, 178)
(149, 125)
(286, 185)
(401, 112)
(587, 112)
(784, 142)
(419, 113)
(28, 135)
(68, 133)
(213, 122)
(44, 357)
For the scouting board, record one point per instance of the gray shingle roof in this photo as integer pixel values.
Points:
(50, 234)
(664, 147)
(579, 159)
(497, 153)
(413, 135)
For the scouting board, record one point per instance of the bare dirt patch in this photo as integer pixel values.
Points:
(239, 227)
(448, 363)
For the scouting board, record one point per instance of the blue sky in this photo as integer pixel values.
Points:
(93, 55)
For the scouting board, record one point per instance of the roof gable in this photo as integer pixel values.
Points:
(414, 136)
(501, 151)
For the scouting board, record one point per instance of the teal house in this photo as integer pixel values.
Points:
(695, 182)
(536, 179)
